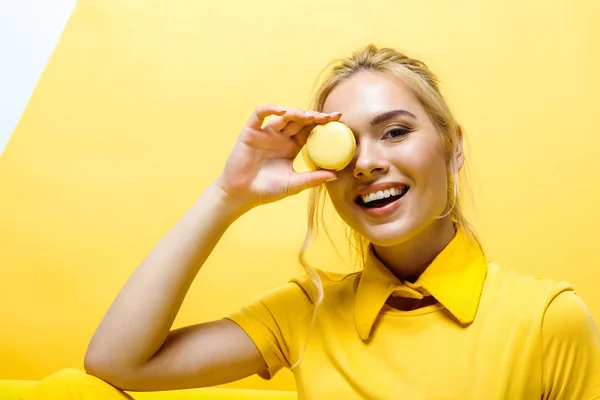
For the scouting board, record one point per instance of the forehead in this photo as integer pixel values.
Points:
(369, 93)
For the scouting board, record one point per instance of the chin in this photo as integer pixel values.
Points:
(390, 234)
(398, 231)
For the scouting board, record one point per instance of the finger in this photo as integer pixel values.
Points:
(302, 136)
(291, 122)
(299, 115)
(306, 180)
(335, 116)
(260, 113)
(292, 128)
(291, 114)
(319, 117)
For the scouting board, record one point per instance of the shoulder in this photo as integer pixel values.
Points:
(570, 348)
(523, 296)
(302, 292)
(521, 286)
(567, 319)
(333, 284)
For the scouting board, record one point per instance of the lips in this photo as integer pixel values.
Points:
(380, 194)
(381, 198)
(379, 186)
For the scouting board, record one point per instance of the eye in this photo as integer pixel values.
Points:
(396, 133)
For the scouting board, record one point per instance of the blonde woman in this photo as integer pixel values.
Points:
(427, 317)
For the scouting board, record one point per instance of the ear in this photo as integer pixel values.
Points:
(458, 150)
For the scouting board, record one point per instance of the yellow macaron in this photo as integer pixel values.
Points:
(331, 146)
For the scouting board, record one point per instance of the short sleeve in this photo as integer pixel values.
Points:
(571, 348)
(272, 321)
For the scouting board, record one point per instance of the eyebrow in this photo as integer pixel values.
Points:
(386, 116)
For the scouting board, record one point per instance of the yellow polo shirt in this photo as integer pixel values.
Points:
(495, 334)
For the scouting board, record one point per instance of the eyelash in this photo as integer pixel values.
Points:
(403, 132)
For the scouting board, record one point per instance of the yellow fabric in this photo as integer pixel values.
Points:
(10, 389)
(72, 384)
(455, 278)
(496, 334)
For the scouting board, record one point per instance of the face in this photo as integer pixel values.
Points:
(399, 156)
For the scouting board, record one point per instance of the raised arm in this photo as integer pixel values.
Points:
(134, 347)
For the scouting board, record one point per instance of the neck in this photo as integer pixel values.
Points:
(408, 260)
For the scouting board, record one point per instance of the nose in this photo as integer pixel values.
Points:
(370, 160)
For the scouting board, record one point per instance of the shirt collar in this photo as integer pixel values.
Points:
(455, 278)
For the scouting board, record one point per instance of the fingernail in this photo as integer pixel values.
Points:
(280, 108)
(309, 114)
(331, 179)
(335, 114)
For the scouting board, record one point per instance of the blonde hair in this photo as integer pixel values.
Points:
(425, 86)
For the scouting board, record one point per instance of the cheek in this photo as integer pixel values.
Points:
(335, 191)
(426, 162)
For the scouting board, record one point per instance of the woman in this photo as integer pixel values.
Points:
(427, 318)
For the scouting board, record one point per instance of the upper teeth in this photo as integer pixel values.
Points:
(381, 194)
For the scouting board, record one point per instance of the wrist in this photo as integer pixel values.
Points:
(230, 206)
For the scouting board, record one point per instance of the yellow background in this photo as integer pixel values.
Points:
(142, 100)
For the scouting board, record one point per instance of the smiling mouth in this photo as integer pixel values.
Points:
(381, 198)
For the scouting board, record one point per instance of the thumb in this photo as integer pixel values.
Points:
(307, 180)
